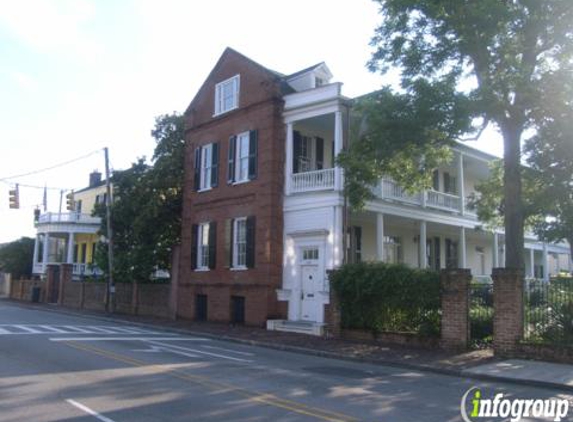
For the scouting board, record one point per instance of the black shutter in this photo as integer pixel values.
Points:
(446, 182)
(253, 147)
(229, 242)
(197, 177)
(215, 165)
(194, 240)
(297, 150)
(319, 153)
(358, 244)
(231, 159)
(436, 180)
(251, 241)
(212, 245)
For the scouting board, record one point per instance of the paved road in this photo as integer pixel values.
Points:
(57, 367)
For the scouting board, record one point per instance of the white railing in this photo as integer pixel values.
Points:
(68, 217)
(313, 180)
(86, 269)
(389, 189)
(443, 201)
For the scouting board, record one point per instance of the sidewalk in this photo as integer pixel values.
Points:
(477, 364)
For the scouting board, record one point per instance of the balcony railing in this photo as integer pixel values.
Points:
(389, 189)
(313, 180)
(68, 217)
(443, 201)
(78, 268)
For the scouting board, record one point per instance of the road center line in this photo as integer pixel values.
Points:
(89, 411)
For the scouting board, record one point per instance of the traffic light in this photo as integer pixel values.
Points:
(36, 215)
(71, 204)
(14, 198)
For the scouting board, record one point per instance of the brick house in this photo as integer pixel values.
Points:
(232, 213)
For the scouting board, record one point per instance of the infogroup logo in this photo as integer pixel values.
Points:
(499, 407)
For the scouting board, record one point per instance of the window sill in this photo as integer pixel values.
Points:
(225, 112)
(241, 182)
(238, 268)
(201, 270)
(204, 190)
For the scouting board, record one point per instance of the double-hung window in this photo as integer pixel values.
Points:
(240, 243)
(227, 95)
(203, 245)
(206, 166)
(242, 157)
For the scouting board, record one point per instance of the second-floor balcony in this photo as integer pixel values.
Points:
(388, 189)
(312, 180)
(68, 217)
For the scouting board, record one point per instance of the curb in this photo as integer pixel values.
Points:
(458, 373)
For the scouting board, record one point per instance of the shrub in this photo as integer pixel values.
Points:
(382, 297)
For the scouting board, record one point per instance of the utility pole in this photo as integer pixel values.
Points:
(110, 298)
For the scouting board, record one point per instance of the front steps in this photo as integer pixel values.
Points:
(301, 327)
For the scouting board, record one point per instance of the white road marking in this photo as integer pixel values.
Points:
(89, 411)
(4, 331)
(27, 329)
(98, 329)
(77, 329)
(202, 352)
(125, 339)
(228, 350)
(53, 329)
(129, 330)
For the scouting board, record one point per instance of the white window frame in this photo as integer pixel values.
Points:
(242, 173)
(206, 163)
(234, 82)
(237, 264)
(203, 247)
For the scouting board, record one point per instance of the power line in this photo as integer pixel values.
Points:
(51, 167)
(34, 186)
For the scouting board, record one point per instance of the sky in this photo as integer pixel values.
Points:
(80, 75)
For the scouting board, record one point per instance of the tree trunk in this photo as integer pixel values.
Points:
(513, 209)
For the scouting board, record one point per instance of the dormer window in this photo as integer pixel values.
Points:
(227, 95)
(318, 82)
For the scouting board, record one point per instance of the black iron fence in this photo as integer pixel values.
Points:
(548, 311)
(481, 313)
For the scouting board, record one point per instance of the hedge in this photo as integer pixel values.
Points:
(381, 297)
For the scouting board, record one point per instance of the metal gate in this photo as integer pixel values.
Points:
(481, 313)
(54, 292)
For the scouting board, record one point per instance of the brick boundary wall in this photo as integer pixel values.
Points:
(507, 311)
(333, 317)
(455, 324)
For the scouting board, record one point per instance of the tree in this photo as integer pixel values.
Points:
(16, 257)
(504, 58)
(147, 207)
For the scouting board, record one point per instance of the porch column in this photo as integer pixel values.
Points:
(495, 251)
(337, 252)
(545, 262)
(45, 252)
(380, 237)
(463, 256)
(289, 158)
(70, 250)
(36, 251)
(338, 176)
(423, 258)
(461, 190)
(532, 262)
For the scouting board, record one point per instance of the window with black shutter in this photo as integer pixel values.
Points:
(229, 243)
(297, 150)
(215, 165)
(197, 173)
(231, 159)
(319, 153)
(253, 147)
(194, 241)
(212, 245)
(251, 223)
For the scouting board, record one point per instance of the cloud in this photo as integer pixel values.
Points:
(24, 81)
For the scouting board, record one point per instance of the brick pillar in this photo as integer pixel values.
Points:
(50, 282)
(333, 316)
(507, 310)
(174, 284)
(66, 271)
(455, 284)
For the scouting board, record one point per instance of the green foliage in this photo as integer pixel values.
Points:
(147, 207)
(502, 62)
(385, 297)
(16, 257)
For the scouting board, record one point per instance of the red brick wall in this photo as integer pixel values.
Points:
(507, 311)
(455, 329)
(260, 108)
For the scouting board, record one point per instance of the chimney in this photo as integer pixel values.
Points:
(95, 178)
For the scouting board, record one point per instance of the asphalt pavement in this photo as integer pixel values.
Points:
(62, 367)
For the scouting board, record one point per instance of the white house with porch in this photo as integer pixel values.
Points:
(431, 229)
(71, 237)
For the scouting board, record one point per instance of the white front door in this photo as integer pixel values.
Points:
(310, 287)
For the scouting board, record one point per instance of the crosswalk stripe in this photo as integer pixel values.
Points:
(27, 329)
(4, 331)
(52, 329)
(75, 329)
(98, 329)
